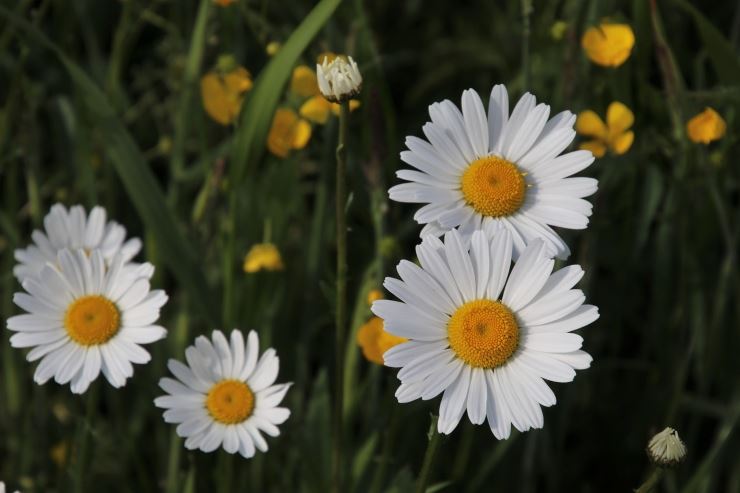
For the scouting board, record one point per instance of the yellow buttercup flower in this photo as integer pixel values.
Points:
(375, 341)
(303, 82)
(288, 132)
(706, 127)
(374, 295)
(263, 256)
(223, 94)
(608, 45)
(317, 109)
(614, 135)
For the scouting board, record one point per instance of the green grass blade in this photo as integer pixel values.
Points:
(138, 180)
(257, 114)
(720, 51)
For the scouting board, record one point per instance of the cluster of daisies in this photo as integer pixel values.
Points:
(90, 309)
(485, 317)
(482, 319)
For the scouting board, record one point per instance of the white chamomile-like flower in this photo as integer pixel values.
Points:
(666, 448)
(73, 229)
(225, 395)
(497, 171)
(84, 318)
(486, 337)
(339, 80)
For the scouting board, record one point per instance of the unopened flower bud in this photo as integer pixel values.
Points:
(666, 449)
(339, 80)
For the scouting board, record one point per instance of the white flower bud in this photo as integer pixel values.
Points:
(666, 448)
(339, 80)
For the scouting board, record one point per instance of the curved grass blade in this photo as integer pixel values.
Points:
(256, 116)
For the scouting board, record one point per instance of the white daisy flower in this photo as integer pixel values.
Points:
(498, 171)
(225, 395)
(485, 341)
(72, 229)
(666, 448)
(84, 318)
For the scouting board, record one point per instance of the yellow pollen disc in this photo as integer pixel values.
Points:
(230, 402)
(92, 320)
(483, 333)
(493, 186)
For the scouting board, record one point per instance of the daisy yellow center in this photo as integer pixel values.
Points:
(230, 402)
(483, 333)
(493, 186)
(92, 320)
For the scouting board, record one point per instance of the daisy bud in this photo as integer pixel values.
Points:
(339, 80)
(666, 449)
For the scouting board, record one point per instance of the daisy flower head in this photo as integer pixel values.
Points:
(84, 318)
(482, 333)
(226, 395)
(2, 488)
(74, 229)
(339, 79)
(497, 171)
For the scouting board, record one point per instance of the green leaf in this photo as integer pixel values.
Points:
(138, 180)
(720, 50)
(259, 108)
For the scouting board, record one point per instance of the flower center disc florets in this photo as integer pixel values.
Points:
(92, 320)
(483, 333)
(493, 186)
(230, 401)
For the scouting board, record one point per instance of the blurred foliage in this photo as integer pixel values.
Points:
(99, 103)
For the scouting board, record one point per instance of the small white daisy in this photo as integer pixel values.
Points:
(84, 318)
(498, 171)
(666, 448)
(72, 229)
(225, 395)
(485, 341)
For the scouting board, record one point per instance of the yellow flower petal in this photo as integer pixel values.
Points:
(590, 124)
(374, 295)
(238, 80)
(375, 341)
(263, 256)
(622, 143)
(608, 45)
(706, 127)
(619, 118)
(303, 82)
(301, 135)
(353, 105)
(216, 102)
(316, 109)
(223, 95)
(596, 147)
(328, 55)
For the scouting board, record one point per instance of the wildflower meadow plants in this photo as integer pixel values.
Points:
(369, 246)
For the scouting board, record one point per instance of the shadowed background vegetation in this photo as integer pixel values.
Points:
(100, 104)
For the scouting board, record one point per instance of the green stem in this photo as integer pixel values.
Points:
(432, 445)
(651, 482)
(388, 445)
(173, 464)
(526, 12)
(341, 300)
(83, 431)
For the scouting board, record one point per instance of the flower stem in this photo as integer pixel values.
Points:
(651, 481)
(341, 299)
(84, 428)
(526, 12)
(426, 468)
